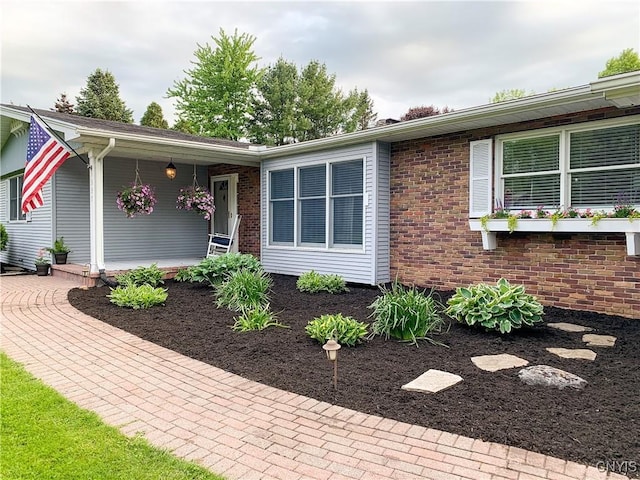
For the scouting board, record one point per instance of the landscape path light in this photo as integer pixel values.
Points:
(331, 348)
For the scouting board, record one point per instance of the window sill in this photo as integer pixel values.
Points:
(631, 228)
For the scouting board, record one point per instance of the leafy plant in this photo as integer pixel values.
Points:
(41, 259)
(244, 290)
(197, 199)
(138, 296)
(59, 247)
(257, 318)
(406, 314)
(4, 237)
(137, 199)
(502, 307)
(313, 282)
(214, 270)
(142, 276)
(344, 330)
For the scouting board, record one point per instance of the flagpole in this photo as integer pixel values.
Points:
(57, 136)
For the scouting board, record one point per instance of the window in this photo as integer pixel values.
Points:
(317, 205)
(15, 199)
(593, 167)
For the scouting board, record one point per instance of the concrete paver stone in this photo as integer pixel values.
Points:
(593, 340)
(573, 353)
(493, 363)
(432, 381)
(569, 327)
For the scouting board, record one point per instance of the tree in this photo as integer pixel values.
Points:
(423, 111)
(62, 104)
(512, 94)
(153, 117)
(101, 99)
(217, 95)
(627, 61)
(360, 114)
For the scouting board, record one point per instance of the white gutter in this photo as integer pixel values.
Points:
(96, 206)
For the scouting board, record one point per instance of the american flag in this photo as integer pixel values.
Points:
(44, 155)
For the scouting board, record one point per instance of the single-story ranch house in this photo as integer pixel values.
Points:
(404, 200)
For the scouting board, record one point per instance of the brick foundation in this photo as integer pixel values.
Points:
(433, 246)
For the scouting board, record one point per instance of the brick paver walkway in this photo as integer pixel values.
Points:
(233, 426)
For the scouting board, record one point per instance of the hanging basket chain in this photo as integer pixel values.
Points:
(195, 177)
(137, 181)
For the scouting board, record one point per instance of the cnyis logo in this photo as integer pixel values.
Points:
(618, 466)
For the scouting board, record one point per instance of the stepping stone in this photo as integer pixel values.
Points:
(432, 381)
(576, 353)
(550, 377)
(493, 363)
(593, 340)
(569, 327)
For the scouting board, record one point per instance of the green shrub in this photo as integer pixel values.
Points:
(244, 290)
(313, 282)
(214, 270)
(141, 276)
(4, 237)
(406, 314)
(502, 307)
(257, 318)
(344, 330)
(137, 297)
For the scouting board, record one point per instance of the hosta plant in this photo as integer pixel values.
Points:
(257, 318)
(314, 282)
(244, 290)
(406, 313)
(214, 270)
(137, 297)
(502, 307)
(141, 276)
(344, 330)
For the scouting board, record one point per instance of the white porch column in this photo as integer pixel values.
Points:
(96, 205)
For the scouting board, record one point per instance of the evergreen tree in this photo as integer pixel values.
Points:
(217, 95)
(153, 117)
(62, 104)
(101, 99)
(627, 61)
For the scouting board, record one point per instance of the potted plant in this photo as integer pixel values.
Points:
(197, 199)
(42, 263)
(59, 251)
(138, 199)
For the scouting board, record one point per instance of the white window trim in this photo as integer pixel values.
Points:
(328, 246)
(564, 132)
(27, 216)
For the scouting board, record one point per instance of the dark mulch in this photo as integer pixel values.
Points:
(599, 424)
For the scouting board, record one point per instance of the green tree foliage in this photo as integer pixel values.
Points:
(627, 61)
(217, 95)
(294, 106)
(63, 105)
(101, 99)
(153, 117)
(424, 111)
(512, 94)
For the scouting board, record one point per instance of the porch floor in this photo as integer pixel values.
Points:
(80, 273)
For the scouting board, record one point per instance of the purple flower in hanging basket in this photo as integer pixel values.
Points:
(196, 198)
(136, 200)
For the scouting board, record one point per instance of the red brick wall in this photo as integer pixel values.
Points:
(248, 204)
(433, 246)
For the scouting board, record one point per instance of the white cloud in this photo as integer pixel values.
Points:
(405, 53)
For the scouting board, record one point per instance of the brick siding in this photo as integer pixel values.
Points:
(432, 245)
(248, 204)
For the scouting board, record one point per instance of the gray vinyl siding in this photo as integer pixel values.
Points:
(359, 265)
(26, 238)
(167, 232)
(71, 210)
(383, 200)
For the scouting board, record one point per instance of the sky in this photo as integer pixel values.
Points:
(406, 54)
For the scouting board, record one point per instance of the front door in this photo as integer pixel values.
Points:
(224, 190)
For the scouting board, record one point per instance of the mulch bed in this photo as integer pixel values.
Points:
(598, 424)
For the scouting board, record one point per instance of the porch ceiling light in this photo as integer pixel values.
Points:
(171, 171)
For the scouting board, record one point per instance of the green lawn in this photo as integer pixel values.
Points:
(45, 436)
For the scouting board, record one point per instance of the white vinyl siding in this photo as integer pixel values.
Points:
(594, 165)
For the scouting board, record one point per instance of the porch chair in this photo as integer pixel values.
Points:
(220, 243)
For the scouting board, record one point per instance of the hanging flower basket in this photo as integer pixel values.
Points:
(138, 199)
(197, 199)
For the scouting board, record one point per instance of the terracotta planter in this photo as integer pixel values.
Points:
(42, 270)
(61, 258)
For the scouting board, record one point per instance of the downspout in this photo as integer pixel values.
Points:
(96, 205)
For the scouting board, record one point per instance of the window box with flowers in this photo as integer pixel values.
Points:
(623, 219)
(197, 199)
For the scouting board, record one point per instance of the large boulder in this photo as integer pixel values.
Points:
(550, 377)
